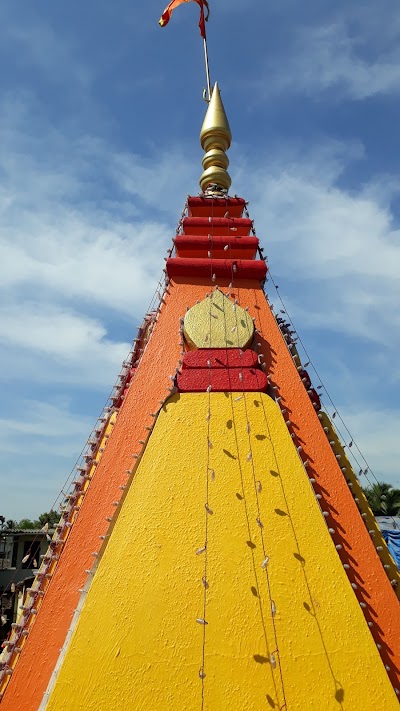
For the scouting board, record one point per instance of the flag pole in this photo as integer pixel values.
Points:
(207, 67)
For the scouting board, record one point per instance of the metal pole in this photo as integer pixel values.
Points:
(207, 69)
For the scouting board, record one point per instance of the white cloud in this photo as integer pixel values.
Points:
(336, 252)
(376, 431)
(47, 329)
(340, 248)
(353, 54)
(34, 42)
(81, 233)
(52, 428)
(62, 235)
(83, 254)
(50, 344)
(328, 57)
(39, 442)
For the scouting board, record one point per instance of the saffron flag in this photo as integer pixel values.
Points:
(166, 16)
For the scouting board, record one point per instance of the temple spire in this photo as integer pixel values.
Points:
(215, 139)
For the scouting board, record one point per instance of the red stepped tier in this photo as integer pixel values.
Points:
(199, 246)
(235, 227)
(220, 358)
(221, 370)
(218, 268)
(220, 380)
(200, 206)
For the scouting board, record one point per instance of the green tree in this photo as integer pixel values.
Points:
(383, 499)
(50, 517)
(26, 523)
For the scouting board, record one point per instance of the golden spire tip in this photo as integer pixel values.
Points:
(215, 139)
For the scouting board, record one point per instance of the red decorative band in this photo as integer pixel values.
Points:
(220, 268)
(203, 207)
(220, 247)
(234, 226)
(220, 358)
(222, 381)
(221, 370)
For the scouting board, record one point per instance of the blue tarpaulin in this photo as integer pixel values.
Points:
(392, 538)
(388, 523)
(390, 527)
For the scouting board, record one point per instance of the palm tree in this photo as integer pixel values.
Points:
(383, 499)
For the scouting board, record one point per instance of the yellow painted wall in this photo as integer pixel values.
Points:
(137, 644)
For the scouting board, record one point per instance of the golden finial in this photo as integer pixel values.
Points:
(215, 139)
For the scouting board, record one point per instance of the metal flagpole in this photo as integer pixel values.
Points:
(207, 68)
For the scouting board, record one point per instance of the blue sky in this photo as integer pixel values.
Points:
(100, 112)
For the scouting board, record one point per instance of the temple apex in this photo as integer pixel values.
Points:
(215, 139)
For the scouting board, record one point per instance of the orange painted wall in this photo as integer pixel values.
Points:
(39, 656)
